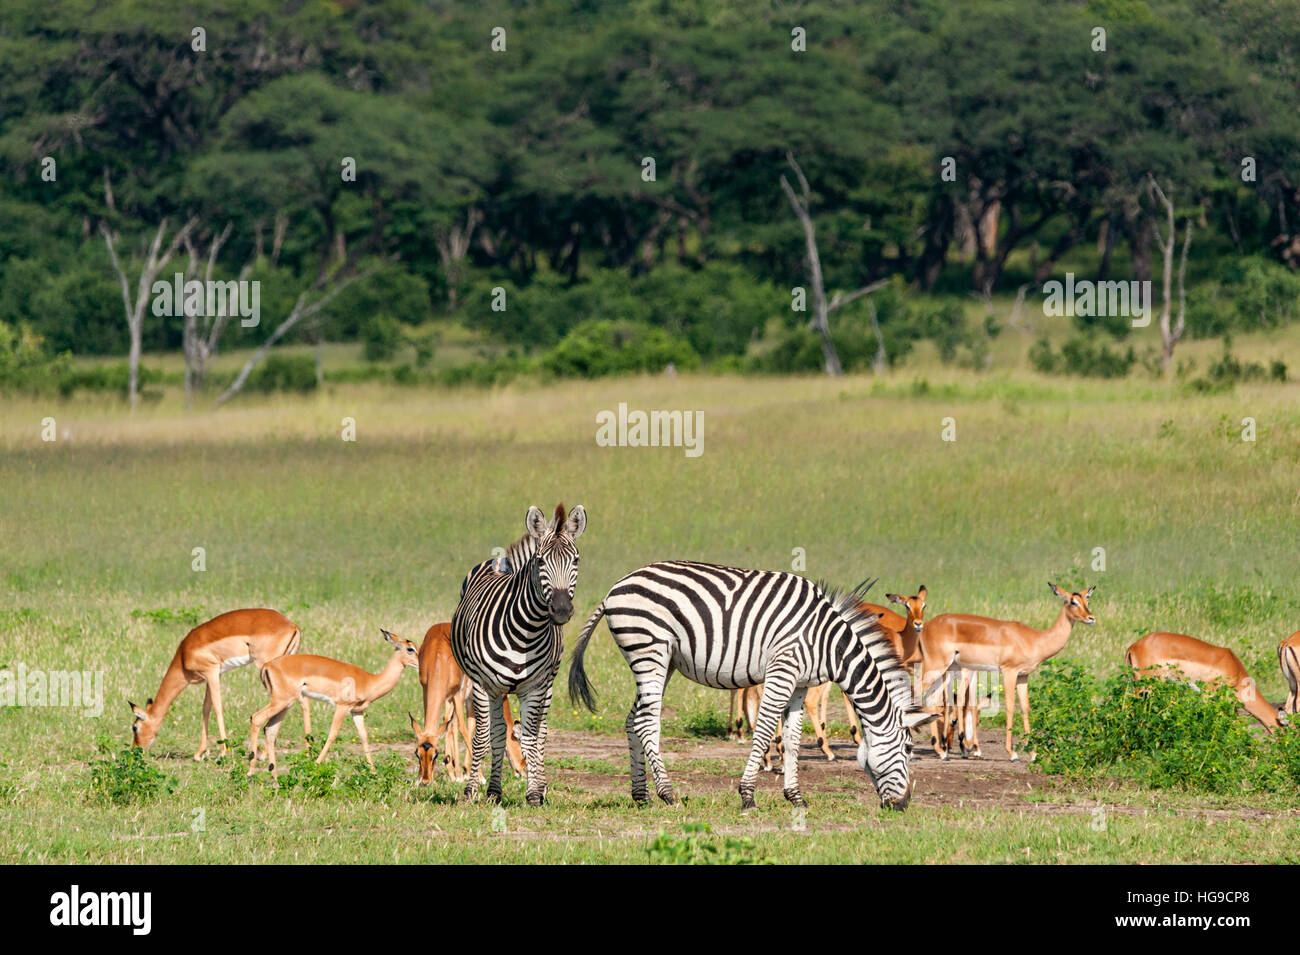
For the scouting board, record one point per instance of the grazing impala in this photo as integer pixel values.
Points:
(1176, 654)
(446, 691)
(294, 679)
(223, 643)
(1288, 655)
(1009, 647)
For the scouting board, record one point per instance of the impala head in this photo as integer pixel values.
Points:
(554, 568)
(144, 729)
(1076, 604)
(914, 606)
(409, 651)
(426, 751)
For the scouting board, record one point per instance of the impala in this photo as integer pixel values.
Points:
(1288, 655)
(744, 711)
(1013, 649)
(294, 679)
(1177, 655)
(225, 642)
(446, 692)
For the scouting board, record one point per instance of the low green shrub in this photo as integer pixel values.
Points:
(126, 777)
(695, 847)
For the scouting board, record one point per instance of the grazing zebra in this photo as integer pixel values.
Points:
(507, 636)
(728, 628)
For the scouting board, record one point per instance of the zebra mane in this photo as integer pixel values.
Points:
(518, 555)
(865, 626)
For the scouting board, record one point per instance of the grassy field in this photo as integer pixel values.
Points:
(99, 528)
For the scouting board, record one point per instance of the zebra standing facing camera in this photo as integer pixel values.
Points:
(507, 635)
(727, 628)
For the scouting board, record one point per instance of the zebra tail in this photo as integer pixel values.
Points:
(579, 685)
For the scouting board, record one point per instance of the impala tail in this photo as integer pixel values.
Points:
(579, 686)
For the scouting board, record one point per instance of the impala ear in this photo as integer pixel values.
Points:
(390, 638)
(535, 523)
(1088, 593)
(894, 598)
(1058, 591)
(914, 718)
(921, 593)
(414, 725)
(577, 522)
(137, 712)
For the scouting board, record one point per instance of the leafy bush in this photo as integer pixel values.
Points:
(1227, 370)
(25, 363)
(597, 348)
(382, 336)
(300, 774)
(705, 722)
(283, 373)
(695, 848)
(1082, 355)
(127, 777)
(1162, 733)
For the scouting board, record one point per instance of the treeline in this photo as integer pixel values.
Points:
(550, 173)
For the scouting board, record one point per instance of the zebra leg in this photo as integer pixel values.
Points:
(499, 731)
(792, 733)
(778, 687)
(479, 745)
(640, 794)
(534, 705)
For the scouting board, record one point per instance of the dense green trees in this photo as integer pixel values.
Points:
(952, 147)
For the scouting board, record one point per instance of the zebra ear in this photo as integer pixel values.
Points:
(535, 523)
(577, 522)
(914, 718)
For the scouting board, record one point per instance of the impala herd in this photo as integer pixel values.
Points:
(942, 653)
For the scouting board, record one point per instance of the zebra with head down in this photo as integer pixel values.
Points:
(726, 627)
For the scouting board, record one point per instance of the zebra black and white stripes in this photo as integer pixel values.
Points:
(507, 636)
(726, 627)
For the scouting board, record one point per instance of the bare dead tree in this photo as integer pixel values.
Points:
(328, 287)
(1171, 332)
(153, 264)
(820, 321)
(453, 242)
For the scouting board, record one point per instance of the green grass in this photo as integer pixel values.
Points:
(345, 538)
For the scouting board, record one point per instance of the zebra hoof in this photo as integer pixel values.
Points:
(534, 799)
(747, 802)
(641, 799)
(795, 797)
(493, 796)
(668, 798)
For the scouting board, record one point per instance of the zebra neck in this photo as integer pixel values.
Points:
(524, 595)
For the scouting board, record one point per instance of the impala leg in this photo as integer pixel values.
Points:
(359, 721)
(479, 746)
(256, 722)
(778, 687)
(214, 689)
(203, 727)
(1008, 690)
(533, 709)
(973, 720)
(335, 724)
(793, 730)
(458, 711)
(735, 718)
(1022, 691)
(272, 733)
(963, 712)
(306, 722)
(855, 734)
(498, 729)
